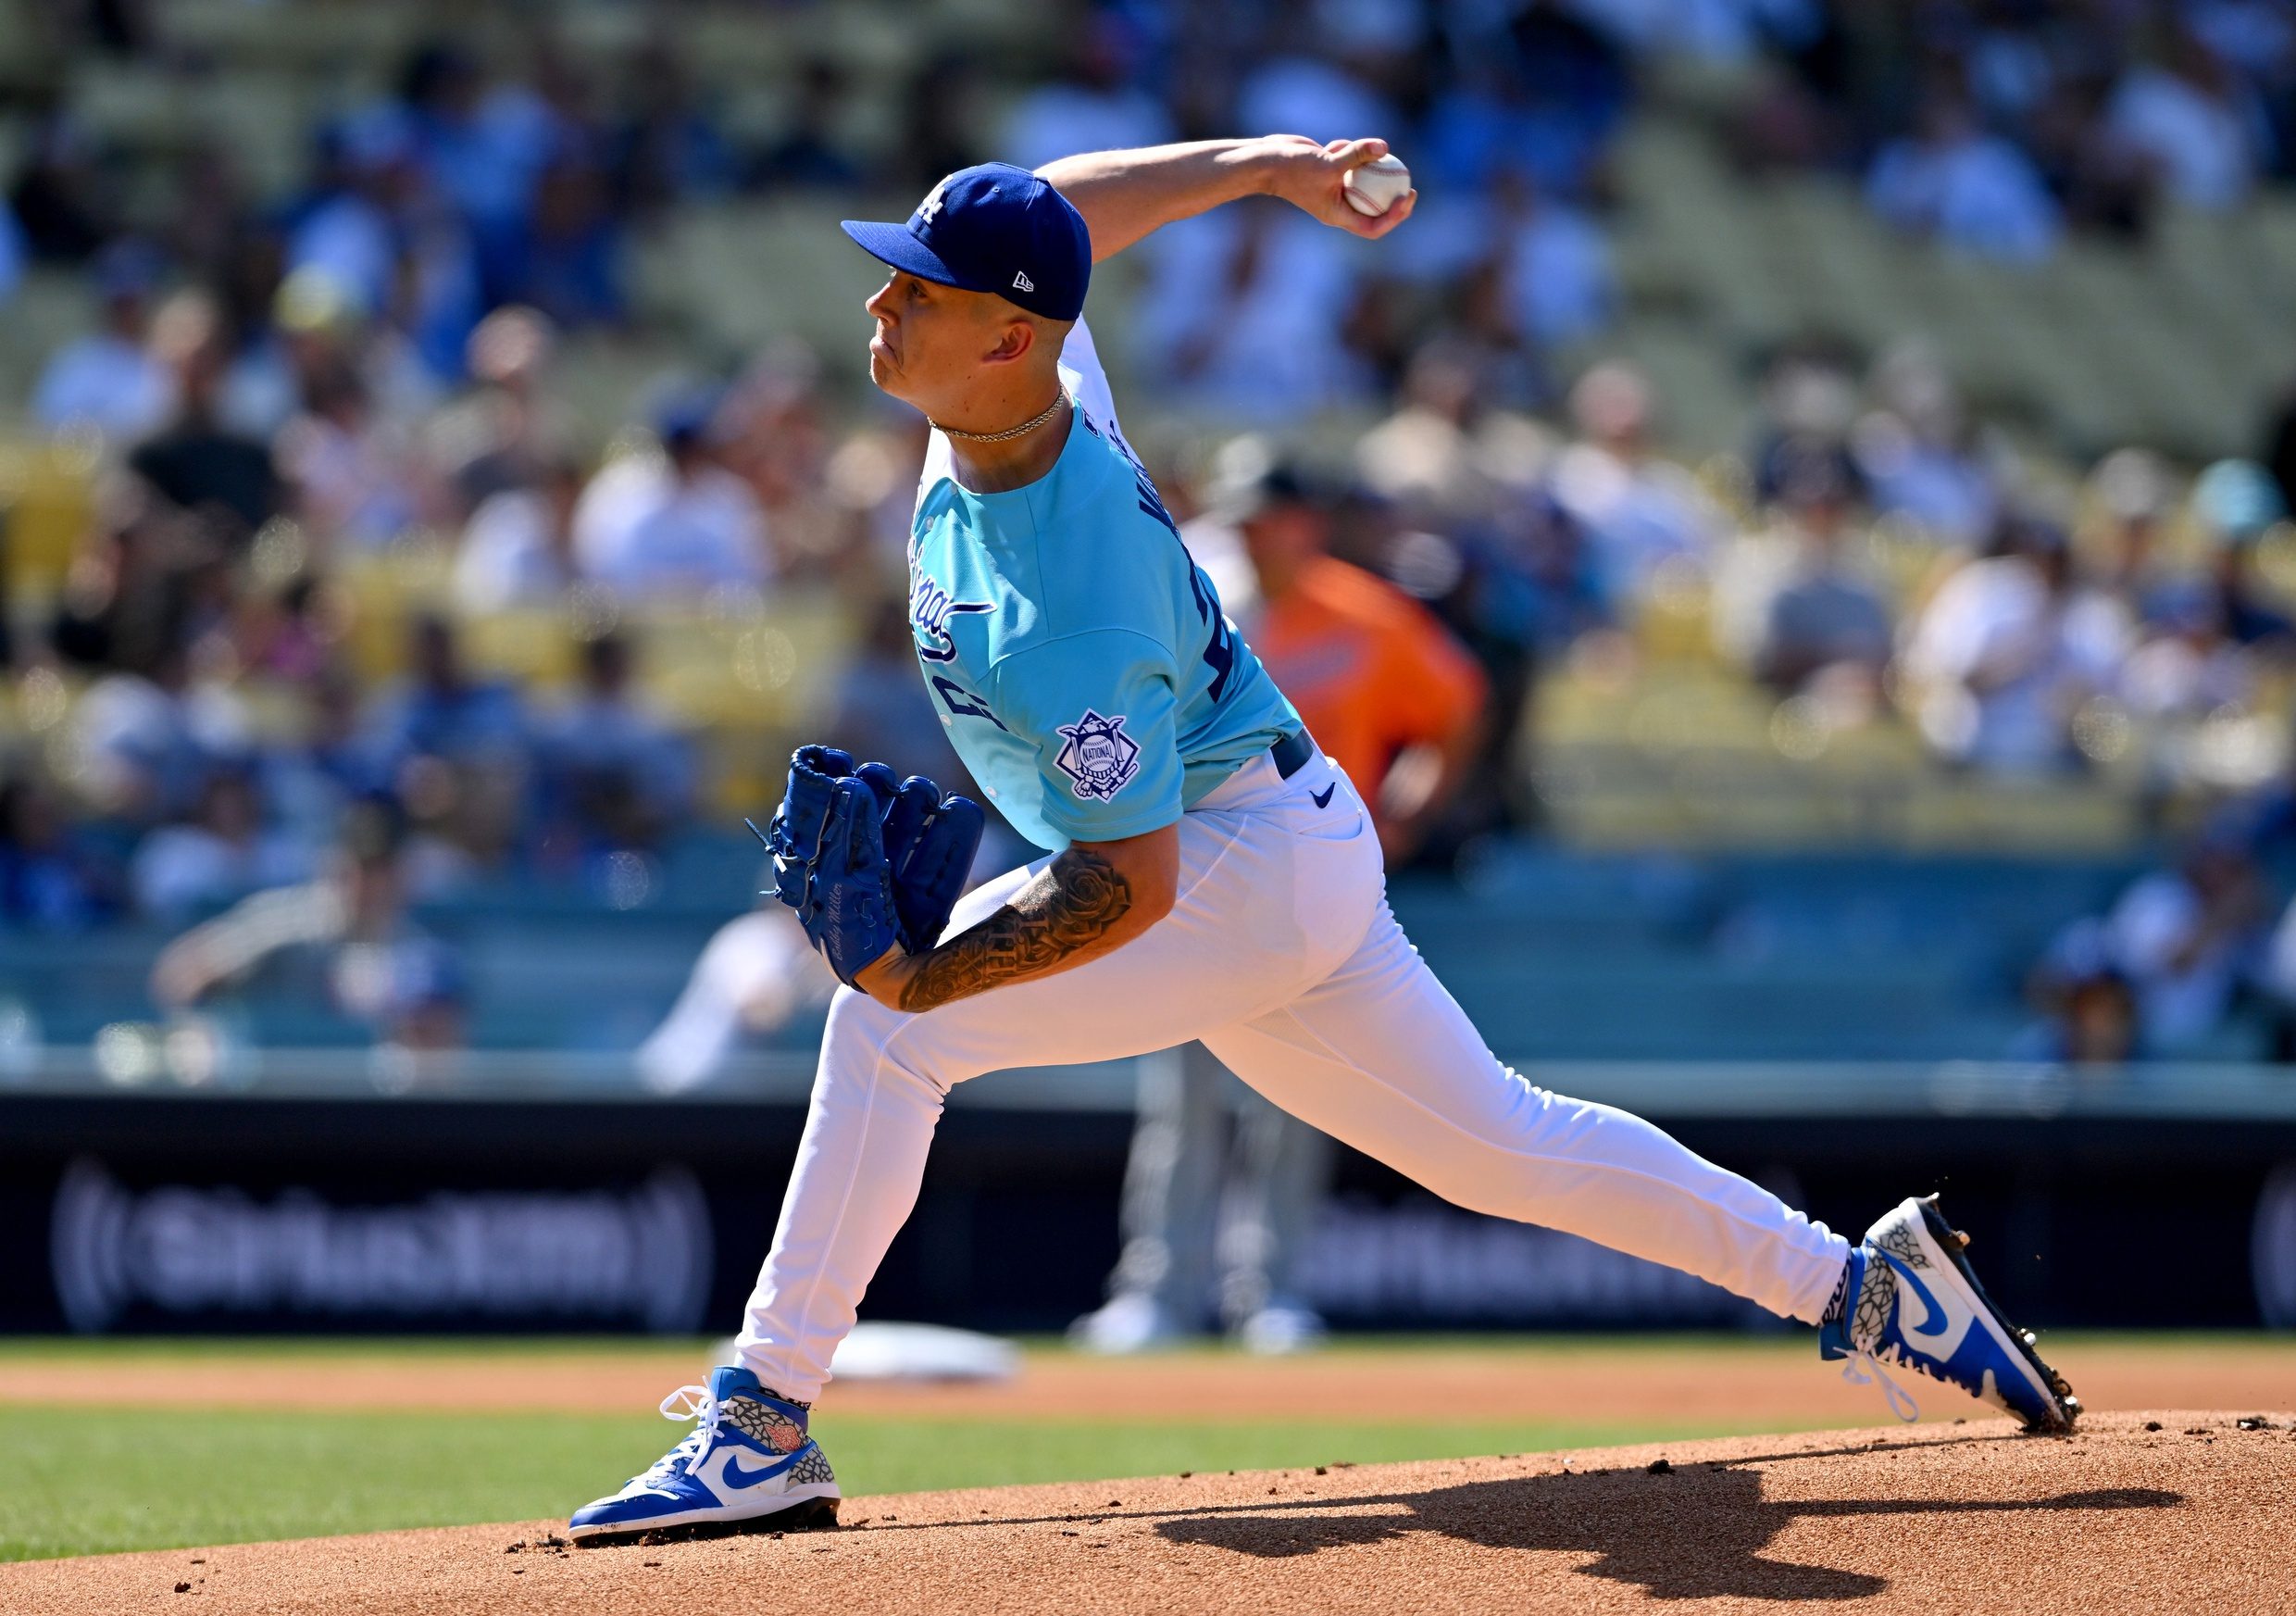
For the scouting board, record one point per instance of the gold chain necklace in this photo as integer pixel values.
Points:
(1023, 430)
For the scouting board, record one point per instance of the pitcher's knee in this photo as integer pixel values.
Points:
(857, 1022)
(865, 1038)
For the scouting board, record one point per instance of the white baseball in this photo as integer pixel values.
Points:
(1374, 188)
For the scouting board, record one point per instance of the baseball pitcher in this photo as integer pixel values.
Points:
(1209, 875)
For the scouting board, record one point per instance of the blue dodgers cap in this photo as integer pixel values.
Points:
(993, 227)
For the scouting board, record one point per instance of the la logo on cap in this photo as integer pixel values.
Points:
(1022, 283)
(931, 205)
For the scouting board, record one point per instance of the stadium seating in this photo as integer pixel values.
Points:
(1556, 957)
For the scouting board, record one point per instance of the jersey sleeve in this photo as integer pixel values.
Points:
(1088, 382)
(1101, 709)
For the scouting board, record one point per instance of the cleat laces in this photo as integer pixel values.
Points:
(692, 1403)
(1864, 1369)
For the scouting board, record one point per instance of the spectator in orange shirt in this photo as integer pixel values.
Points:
(1214, 1211)
(1381, 684)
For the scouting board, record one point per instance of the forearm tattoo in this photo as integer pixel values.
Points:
(1068, 907)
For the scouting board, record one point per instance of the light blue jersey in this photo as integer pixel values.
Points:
(1076, 655)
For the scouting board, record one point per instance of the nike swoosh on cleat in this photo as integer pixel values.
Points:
(735, 1476)
(1323, 797)
(1936, 1322)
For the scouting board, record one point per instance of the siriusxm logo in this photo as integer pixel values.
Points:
(1425, 1262)
(930, 610)
(639, 1255)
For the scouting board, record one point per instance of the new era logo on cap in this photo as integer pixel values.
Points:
(1022, 283)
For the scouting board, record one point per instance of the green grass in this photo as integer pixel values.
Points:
(83, 1481)
(89, 1482)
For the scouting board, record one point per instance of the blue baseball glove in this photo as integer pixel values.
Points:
(925, 840)
(829, 861)
(929, 841)
(794, 839)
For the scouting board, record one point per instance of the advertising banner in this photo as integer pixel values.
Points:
(242, 1215)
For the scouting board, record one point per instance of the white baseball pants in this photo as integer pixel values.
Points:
(1281, 955)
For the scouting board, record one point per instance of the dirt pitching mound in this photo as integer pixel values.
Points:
(2163, 1511)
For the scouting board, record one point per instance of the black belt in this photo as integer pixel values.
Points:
(1292, 753)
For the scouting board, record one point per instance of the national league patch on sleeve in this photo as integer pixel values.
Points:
(1097, 756)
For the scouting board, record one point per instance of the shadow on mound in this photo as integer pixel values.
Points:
(1693, 1533)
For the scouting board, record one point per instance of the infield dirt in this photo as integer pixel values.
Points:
(2138, 1511)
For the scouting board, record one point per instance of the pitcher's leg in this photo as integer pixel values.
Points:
(1380, 1056)
(877, 1097)
(859, 1166)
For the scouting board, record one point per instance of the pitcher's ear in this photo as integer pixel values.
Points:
(1013, 342)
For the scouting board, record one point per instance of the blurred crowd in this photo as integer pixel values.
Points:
(285, 389)
(1997, 126)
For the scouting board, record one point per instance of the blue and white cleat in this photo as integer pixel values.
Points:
(1911, 1300)
(748, 1465)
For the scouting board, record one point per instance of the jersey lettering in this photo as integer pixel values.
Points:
(930, 610)
(1219, 651)
(962, 702)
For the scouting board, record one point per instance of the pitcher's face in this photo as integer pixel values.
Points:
(932, 340)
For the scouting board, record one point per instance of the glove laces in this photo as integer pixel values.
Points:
(692, 1403)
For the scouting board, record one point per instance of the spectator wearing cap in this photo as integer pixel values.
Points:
(1386, 691)
(671, 146)
(484, 146)
(1317, 89)
(393, 240)
(811, 149)
(351, 232)
(674, 523)
(2184, 670)
(109, 378)
(569, 261)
